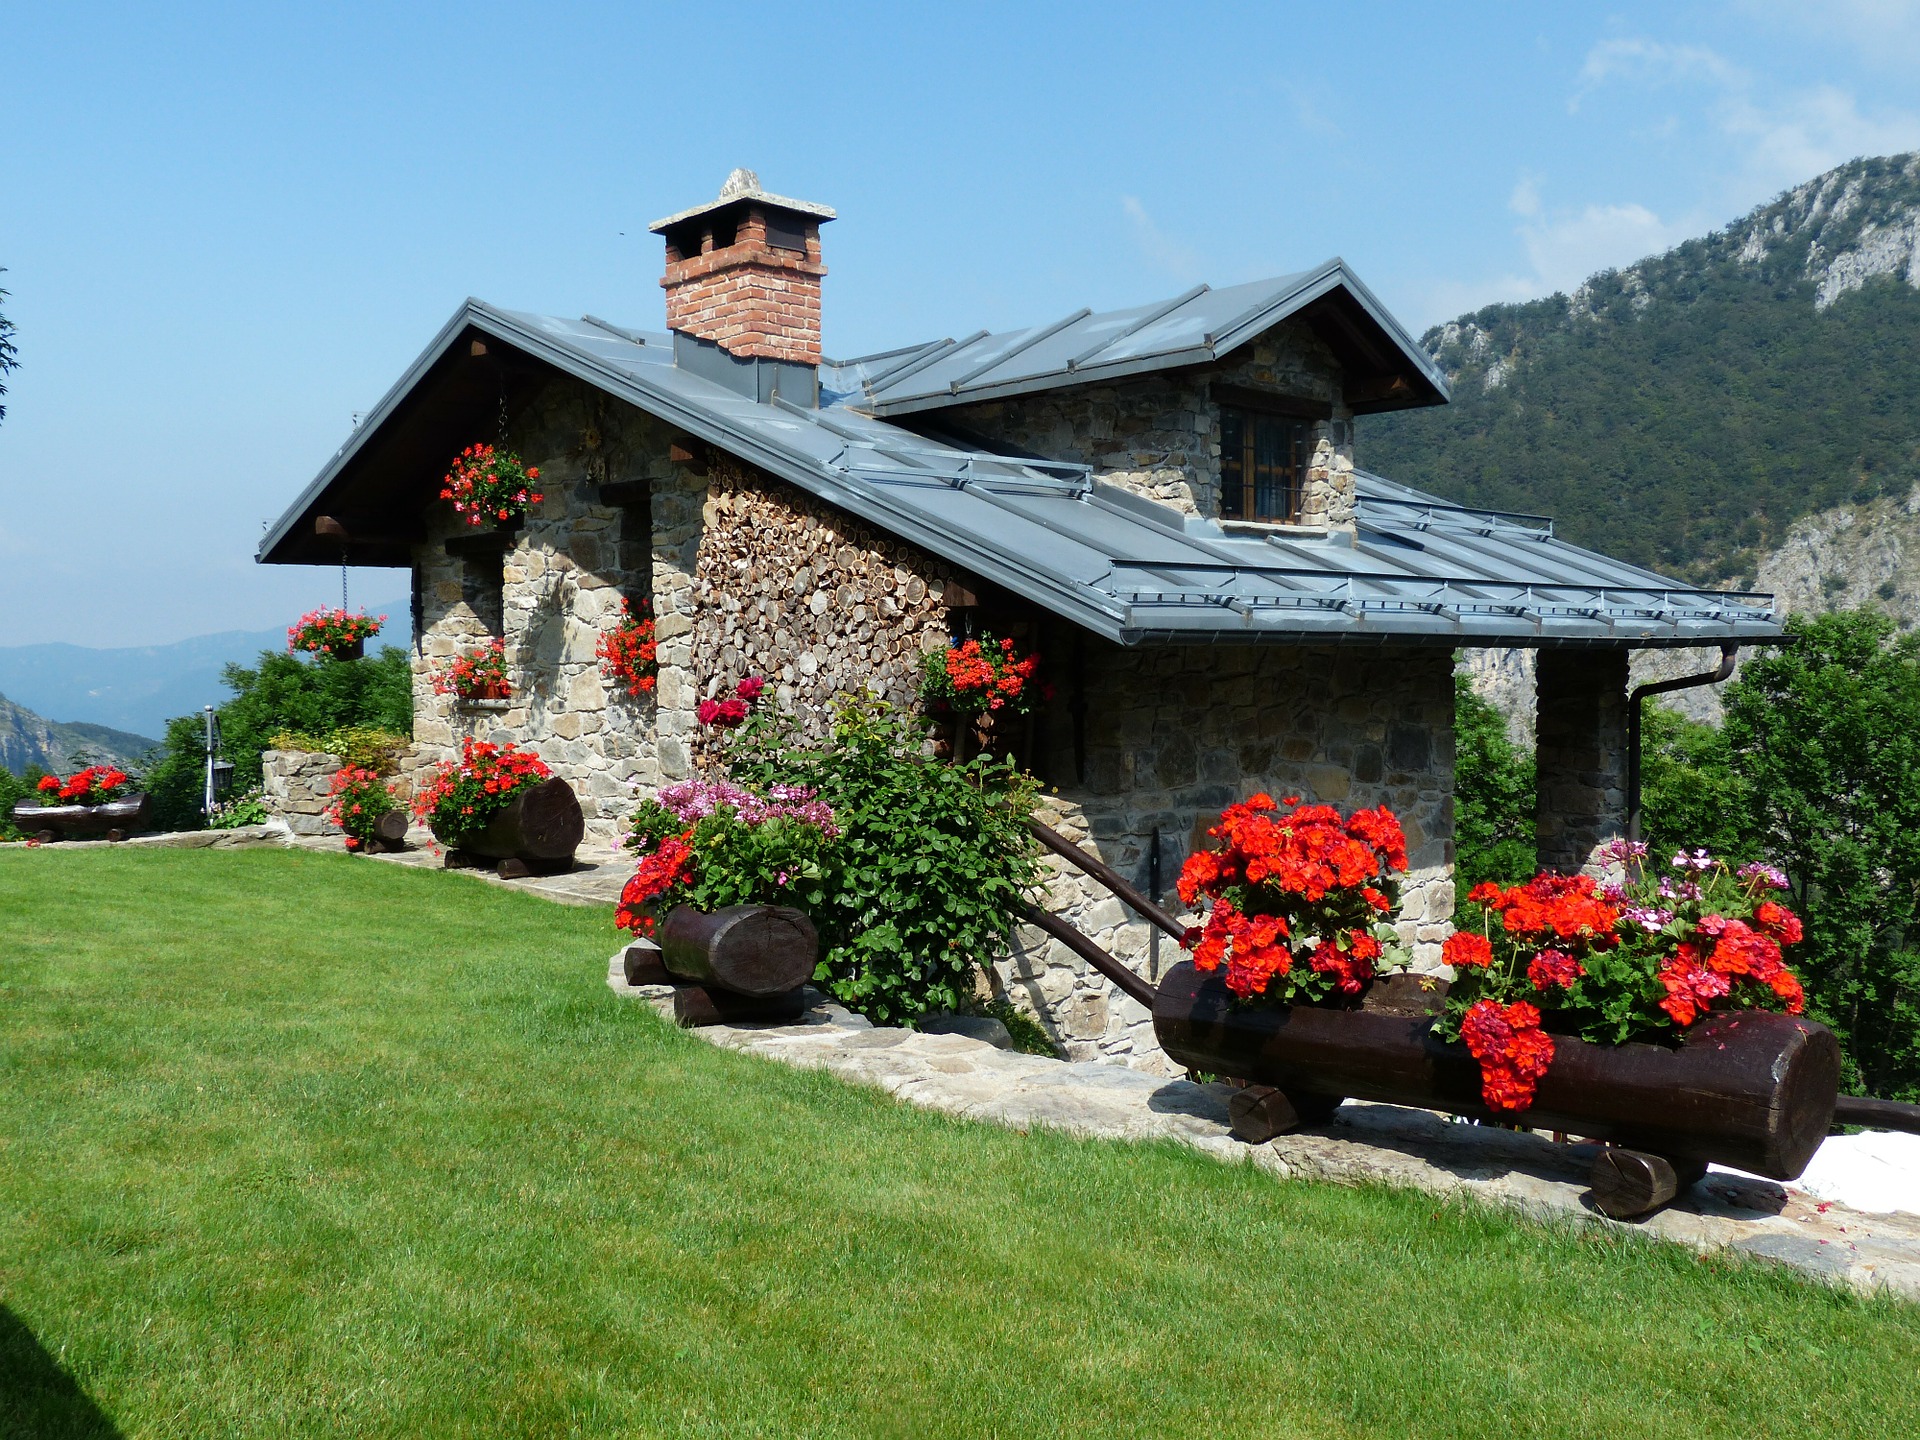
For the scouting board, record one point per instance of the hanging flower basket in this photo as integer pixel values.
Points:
(628, 652)
(333, 634)
(477, 675)
(492, 487)
(94, 803)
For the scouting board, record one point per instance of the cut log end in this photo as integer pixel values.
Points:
(747, 949)
(1630, 1184)
(1260, 1112)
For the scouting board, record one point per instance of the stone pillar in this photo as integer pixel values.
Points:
(1581, 791)
(1330, 494)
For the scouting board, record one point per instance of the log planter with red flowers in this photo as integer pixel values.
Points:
(98, 802)
(114, 820)
(500, 806)
(1654, 1011)
(1750, 1089)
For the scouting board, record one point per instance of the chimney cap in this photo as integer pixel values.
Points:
(742, 186)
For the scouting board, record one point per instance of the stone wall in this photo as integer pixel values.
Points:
(1171, 737)
(808, 597)
(294, 785)
(1159, 435)
(552, 593)
(1580, 754)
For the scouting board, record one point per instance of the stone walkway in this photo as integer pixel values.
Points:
(1364, 1143)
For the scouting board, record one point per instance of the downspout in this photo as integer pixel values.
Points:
(1729, 652)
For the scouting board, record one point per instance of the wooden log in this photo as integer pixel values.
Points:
(695, 1005)
(1630, 1183)
(1747, 1089)
(81, 822)
(642, 965)
(543, 822)
(1260, 1112)
(392, 827)
(747, 949)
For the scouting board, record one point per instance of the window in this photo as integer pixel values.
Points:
(1263, 464)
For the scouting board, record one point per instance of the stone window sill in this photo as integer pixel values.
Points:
(490, 706)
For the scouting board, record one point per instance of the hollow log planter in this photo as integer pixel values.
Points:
(535, 832)
(1747, 1089)
(389, 835)
(114, 820)
(743, 963)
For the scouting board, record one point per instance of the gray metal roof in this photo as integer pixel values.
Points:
(1418, 569)
(1195, 328)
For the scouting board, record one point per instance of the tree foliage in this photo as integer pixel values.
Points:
(1692, 796)
(1824, 736)
(280, 693)
(1492, 795)
(1683, 413)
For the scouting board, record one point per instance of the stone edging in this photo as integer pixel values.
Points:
(1366, 1143)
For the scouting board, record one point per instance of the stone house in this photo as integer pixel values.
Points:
(1164, 501)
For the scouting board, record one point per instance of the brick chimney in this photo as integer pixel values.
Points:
(743, 274)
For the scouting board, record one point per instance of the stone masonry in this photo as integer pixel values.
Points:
(1581, 740)
(1159, 435)
(1178, 734)
(294, 786)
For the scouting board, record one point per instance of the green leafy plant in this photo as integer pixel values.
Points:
(278, 694)
(931, 861)
(1493, 788)
(1824, 736)
(245, 809)
(357, 799)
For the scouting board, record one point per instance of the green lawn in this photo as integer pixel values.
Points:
(294, 1144)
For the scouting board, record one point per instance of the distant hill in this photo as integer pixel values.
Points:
(1685, 411)
(29, 739)
(139, 690)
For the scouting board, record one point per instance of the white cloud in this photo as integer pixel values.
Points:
(1525, 199)
(1568, 247)
(1653, 62)
(1178, 260)
(1797, 136)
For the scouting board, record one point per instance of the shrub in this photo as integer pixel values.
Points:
(931, 861)
(279, 695)
(244, 809)
(12, 788)
(365, 746)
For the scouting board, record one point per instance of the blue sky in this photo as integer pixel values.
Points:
(228, 229)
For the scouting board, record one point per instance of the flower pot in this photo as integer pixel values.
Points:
(351, 650)
(112, 820)
(542, 825)
(1748, 1089)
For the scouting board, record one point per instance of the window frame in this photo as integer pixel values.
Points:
(1250, 407)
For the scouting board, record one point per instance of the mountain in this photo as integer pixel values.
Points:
(1686, 411)
(28, 739)
(141, 689)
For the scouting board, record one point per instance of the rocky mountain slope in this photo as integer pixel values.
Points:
(1686, 411)
(29, 739)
